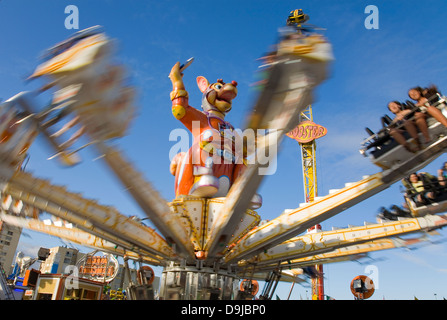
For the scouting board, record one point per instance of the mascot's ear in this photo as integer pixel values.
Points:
(202, 83)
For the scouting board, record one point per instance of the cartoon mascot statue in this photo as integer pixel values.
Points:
(215, 159)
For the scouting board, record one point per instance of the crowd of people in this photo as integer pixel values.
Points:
(422, 188)
(411, 117)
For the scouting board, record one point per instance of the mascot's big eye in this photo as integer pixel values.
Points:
(218, 86)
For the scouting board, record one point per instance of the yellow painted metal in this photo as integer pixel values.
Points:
(43, 205)
(93, 85)
(248, 220)
(189, 230)
(348, 253)
(289, 275)
(308, 156)
(191, 211)
(154, 206)
(280, 112)
(103, 217)
(300, 219)
(199, 215)
(74, 235)
(83, 54)
(325, 241)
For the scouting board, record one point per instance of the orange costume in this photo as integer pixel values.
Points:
(213, 162)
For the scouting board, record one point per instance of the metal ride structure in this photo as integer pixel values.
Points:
(309, 158)
(205, 241)
(306, 133)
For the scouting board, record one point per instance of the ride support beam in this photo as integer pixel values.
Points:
(327, 241)
(349, 253)
(74, 235)
(153, 205)
(299, 220)
(105, 218)
(81, 223)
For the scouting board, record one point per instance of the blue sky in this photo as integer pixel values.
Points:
(372, 67)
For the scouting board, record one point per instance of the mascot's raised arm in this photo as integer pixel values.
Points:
(214, 161)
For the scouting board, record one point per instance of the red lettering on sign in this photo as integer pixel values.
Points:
(307, 131)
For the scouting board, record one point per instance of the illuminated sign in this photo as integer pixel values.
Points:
(98, 268)
(307, 131)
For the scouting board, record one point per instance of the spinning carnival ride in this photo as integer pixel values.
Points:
(205, 241)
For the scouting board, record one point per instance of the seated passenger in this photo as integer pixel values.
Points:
(386, 214)
(442, 175)
(418, 190)
(411, 126)
(394, 213)
(421, 96)
(401, 212)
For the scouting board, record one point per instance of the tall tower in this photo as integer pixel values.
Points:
(308, 152)
(306, 133)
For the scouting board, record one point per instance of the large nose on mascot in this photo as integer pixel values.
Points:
(217, 96)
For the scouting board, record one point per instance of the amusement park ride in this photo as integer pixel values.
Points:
(209, 237)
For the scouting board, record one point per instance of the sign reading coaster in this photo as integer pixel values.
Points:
(307, 131)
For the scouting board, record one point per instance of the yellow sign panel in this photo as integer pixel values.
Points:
(307, 131)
